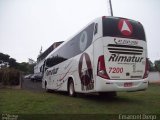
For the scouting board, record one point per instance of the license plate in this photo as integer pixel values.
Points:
(128, 84)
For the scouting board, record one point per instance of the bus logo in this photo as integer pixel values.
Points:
(125, 27)
(85, 72)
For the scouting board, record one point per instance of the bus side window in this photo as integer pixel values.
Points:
(96, 28)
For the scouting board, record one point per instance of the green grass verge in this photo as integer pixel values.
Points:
(29, 102)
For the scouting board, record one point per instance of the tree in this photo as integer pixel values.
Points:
(24, 67)
(12, 63)
(157, 65)
(4, 57)
(151, 66)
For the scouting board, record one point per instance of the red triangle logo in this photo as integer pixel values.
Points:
(125, 27)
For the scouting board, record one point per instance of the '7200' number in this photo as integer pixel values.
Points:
(115, 69)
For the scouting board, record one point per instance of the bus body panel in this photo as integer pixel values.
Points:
(58, 75)
(98, 51)
(130, 65)
(118, 85)
(125, 60)
(84, 71)
(103, 85)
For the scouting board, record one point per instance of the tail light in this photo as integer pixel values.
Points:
(146, 69)
(101, 69)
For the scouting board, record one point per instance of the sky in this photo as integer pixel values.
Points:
(26, 25)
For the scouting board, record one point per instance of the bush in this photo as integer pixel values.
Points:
(9, 76)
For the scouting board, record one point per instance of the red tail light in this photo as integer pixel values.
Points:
(101, 69)
(146, 69)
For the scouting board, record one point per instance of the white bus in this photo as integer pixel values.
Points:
(108, 55)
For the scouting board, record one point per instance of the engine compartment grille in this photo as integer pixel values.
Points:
(125, 49)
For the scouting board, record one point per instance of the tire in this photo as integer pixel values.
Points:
(46, 89)
(71, 90)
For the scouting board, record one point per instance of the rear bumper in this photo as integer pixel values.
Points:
(103, 85)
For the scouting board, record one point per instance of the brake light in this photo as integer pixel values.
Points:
(146, 69)
(101, 69)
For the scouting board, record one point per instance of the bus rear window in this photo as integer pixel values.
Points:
(125, 28)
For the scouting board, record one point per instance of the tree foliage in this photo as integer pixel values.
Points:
(24, 67)
(10, 76)
(157, 65)
(4, 57)
(151, 66)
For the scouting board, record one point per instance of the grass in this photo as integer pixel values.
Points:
(29, 102)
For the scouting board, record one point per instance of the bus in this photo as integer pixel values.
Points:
(106, 56)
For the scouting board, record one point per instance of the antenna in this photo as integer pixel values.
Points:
(110, 5)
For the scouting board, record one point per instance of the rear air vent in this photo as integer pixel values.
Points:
(125, 49)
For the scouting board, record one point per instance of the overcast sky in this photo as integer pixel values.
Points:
(26, 25)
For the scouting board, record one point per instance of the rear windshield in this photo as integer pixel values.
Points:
(121, 27)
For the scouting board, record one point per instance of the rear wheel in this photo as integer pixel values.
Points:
(46, 89)
(71, 90)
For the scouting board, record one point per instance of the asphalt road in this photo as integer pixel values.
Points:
(27, 84)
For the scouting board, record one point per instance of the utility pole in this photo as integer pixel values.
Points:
(110, 5)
